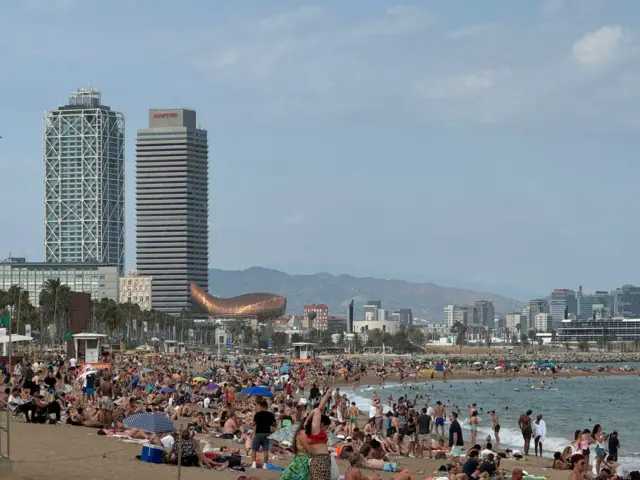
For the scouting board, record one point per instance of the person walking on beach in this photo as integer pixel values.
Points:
(440, 414)
(524, 422)
(496, 426)
(539, 434)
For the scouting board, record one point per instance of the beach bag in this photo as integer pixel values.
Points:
(335, 471)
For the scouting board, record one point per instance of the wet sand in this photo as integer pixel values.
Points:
(69, 453)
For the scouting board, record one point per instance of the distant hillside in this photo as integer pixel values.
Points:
(427, 300)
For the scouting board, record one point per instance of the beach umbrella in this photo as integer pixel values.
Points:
(199, 379)
(150, 423)
(166, 390)
(213, 386)
(263, 391)
(146, 370)
(284, 369)
(286, 434)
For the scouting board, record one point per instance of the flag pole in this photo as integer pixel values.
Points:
(8, 409)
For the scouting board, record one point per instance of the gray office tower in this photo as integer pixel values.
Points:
(172, 207)
(84, 182)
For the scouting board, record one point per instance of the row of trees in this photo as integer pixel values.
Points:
(117, 320)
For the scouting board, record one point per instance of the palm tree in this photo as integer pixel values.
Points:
(49, 302)
(460, 331)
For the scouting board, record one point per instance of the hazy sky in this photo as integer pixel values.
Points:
(490, 141)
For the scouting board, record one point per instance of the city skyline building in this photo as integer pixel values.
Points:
(172, 207)
(485, 313)
(564, 305)
(83, 152)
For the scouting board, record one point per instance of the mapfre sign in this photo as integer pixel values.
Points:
(165, 115)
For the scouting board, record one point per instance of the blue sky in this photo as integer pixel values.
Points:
(494, 142)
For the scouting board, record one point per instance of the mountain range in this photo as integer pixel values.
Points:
(426, 300)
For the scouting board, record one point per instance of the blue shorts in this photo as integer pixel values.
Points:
(439, 421)
(89, 391)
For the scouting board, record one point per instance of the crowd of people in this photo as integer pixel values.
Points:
(319, 421)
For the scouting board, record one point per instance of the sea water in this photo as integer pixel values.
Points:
(578, 403)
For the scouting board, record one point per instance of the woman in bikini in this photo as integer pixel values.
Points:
(315, 427)
(473, 426)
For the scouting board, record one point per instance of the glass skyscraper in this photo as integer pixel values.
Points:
(84, 182)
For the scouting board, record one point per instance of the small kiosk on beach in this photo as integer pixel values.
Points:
(87, 347)
(16, 341)
(302, 352)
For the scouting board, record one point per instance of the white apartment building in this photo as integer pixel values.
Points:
(453, 314)
(513, 319)
(136, 289)
(542, 322)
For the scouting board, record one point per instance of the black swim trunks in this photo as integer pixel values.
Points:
(526, 433)
(496, 428)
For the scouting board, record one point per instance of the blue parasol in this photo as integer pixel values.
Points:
(263, 391)
(150, 423)
(166, 390)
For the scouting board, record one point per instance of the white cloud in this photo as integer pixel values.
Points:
(601, 46)
(396, 65)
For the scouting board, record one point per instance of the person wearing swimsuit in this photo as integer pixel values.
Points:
(440, 414)
(524, 422)
(473, 426)
(317, 438)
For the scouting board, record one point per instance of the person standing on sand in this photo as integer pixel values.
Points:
(496, 426)
(456, 442)
(440, 414)
(540, 433)
(106, 393)
(524, 422)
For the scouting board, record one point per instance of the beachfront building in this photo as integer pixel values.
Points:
(387, 326)
(136, 289)
(320, 322)
(626, 301)
(616, 329)
(101, 281)
(533, 308)
(514, 322)
(485, 313)
(453, 314)
(172, 207)
(592, 304)
(542, 322)
(406, 316)
(563, 306)
(84, 182)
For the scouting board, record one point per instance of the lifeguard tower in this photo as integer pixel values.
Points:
(302, 352)
(87, 347)
(172, 347)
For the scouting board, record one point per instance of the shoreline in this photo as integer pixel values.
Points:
(373, 381)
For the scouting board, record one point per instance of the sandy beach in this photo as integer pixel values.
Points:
(69, 453)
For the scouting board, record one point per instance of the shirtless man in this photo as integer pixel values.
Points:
(524, 422)
(106, 394)
(440, 414)
(496, 425)
(353, 417)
